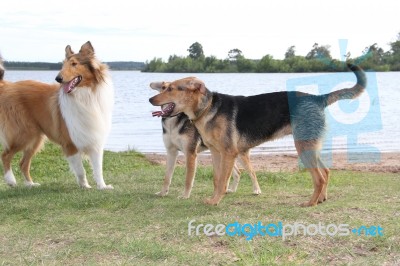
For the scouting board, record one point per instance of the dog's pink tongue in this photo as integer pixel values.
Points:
(157, 113)
(67, 87)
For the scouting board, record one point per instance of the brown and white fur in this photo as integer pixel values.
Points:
(179, 134)
(76, 114)
(231, 125)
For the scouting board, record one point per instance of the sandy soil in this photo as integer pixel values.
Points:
(389, 162)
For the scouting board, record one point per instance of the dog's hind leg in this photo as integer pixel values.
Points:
(309, 154)
(172, 154)
(245, 160)
(6, 157)
(319, 183)
(325, 171)
(232, 186)
(25, 163)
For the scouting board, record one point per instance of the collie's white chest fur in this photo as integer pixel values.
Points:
(87, 114)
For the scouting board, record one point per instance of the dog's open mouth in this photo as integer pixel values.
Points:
(166, 110)
(70, 86)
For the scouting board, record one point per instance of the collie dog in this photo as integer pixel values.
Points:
(76, 114)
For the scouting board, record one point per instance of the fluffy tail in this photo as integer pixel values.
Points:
(1, 68)
(349, 93)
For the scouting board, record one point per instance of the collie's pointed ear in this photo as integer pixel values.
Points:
(68, 51)
(87, 49)
(199, 85)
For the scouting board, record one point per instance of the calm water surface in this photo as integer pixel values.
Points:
(134, 127)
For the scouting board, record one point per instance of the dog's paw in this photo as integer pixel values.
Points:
(230, 190)
(162, 193)
(322, 198)
(183, 196)
(257, 191)
(85, 186)
(211, 201)
(30, 184)
(11, 184)
(308, 204)
(232, 187)
(10, 179)
(105, 187)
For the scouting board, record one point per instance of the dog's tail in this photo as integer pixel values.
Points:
(1, 68)
(349, 93)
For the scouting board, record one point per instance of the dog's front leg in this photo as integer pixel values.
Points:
(96, 159)
(191, 164)
(75, 163)
(226, 164)
(172, 154)
(216, 161)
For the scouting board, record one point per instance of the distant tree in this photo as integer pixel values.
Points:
(319, 52)
(210, 64)
(298, 64)
(196, 51)
(155, 65)
(394, 57)
(267, 64)
(290, 52)
(377, 53)
(374, 58)
(395, 46)
(234, 54)
(245, 65)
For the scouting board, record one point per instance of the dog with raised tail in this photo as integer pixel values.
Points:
(75, 114)
(231, 125)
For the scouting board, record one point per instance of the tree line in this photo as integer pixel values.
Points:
(318, 59)
(117, 65)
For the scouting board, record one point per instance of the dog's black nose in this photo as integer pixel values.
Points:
(59, 79)
(151, 100)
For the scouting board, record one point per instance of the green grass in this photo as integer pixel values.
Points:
(59, 223)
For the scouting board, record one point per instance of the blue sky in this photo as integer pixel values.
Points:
(123, 30)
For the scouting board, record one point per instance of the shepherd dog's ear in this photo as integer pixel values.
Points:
(199, 85)
(68, 51)
(159, 86)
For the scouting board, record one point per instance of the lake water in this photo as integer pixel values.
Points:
(135, 128)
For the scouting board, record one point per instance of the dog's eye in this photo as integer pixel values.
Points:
(74, 64)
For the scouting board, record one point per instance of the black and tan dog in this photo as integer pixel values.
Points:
(231, 125)
(179, 134)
